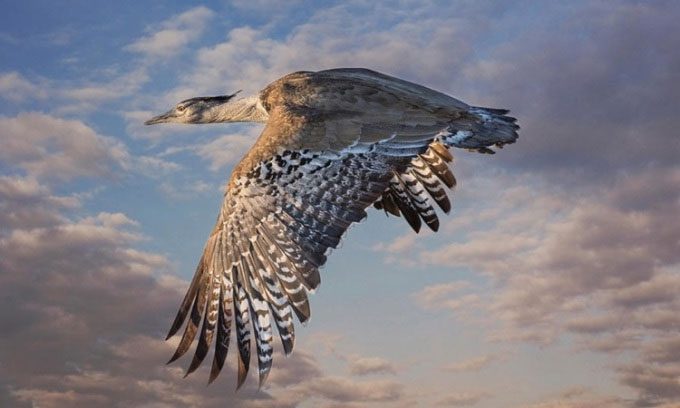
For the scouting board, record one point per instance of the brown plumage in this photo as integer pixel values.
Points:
(335, 142)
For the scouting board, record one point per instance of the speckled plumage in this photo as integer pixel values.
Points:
(335, 143)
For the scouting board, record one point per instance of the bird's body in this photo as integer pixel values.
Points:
(335, 142)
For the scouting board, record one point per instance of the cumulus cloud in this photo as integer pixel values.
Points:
(25, 202)
(604, 269)
(342, 35)
(173, 34)
(51, 148)
(45, 146)
(84, 311)
(85, 308)
(588, 102)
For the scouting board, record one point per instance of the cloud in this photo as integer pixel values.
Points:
(14, 87)
(74, 97)
(474, 363)
(61, 277)
(108, 87)
(25, 202)
(262, 5)
(602, 269)
(562, 92)
(186, 190)
(228, 149)
(588, 103)
(444, 296)
(341, 389)
(656, 373)
(342, 35)
(579, 397)
(85, 311)
(174, 34)
(462, 399)
(48, 147)
(370, 365)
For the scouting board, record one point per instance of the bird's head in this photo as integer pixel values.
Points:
(202, 109)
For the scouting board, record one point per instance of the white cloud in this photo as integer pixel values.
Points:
(359, 365)
(436, 296)
(48, 147)
(16, 88)
(174, 34)
(186, 190)
(604, 270)
(227, 150)
(122, 84)
(474, 363)
(342, 35)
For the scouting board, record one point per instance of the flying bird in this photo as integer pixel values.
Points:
(334, 143)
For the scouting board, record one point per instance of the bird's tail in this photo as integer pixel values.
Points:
(481, 128)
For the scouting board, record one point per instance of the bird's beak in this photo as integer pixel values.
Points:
(160, 118)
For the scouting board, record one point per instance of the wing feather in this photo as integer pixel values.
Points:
(211, 315)
(242, 328)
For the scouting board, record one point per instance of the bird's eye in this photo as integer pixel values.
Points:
(181, 108)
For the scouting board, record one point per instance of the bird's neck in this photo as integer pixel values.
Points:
(247, 109)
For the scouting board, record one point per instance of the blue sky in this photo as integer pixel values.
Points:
(553, 283)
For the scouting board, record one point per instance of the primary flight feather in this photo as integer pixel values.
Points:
(335, 143)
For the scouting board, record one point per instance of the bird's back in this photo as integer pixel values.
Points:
(333, 109)
(328, 89)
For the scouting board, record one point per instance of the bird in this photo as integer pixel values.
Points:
(335, 142)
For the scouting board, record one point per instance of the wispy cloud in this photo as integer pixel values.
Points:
(17, 88)
(474, 363)
(173, 34)
(370, 365)
(462, 399)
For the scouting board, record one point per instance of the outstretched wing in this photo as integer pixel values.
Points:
(335, 143)
(273, 233)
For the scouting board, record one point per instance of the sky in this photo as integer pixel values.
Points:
(554, 282)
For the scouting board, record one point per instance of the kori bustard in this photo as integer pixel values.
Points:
(335, 142)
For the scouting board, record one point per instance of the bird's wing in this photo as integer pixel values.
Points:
(275, 227)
